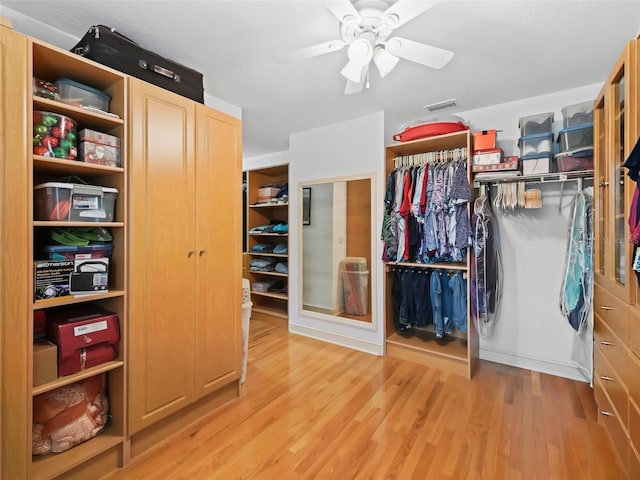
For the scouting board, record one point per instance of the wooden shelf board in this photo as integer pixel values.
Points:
(421, 342)
(78, 114)
(71, 299)
(269, 311)
(278, 296)
(275, 274)
(55, 464)
(68, 379)
(269, 234)
(268, 205)
(258, 254)
(441, 142)
(61, 165)
(445, 266)
(46, 223)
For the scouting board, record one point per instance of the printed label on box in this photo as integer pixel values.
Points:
(86, 202)
(90, 328)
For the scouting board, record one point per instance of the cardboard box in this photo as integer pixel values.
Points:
(488, 157)
(484, 140)
(51, 278)
(508, 163)
(60, 278)
(45, 362)
(86, 336)
(537, 165)
(265, 194)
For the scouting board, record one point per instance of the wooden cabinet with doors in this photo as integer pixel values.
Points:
(268, 304)
(616, 315)
(185, 258)
(21, 237)
(459, 352)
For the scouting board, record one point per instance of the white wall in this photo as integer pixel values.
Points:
(45, 33)
(530, 332)
(354, 147)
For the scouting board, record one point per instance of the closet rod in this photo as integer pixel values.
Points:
(544, 178)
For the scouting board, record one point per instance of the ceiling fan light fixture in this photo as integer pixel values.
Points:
(385, 62)
(350, 20)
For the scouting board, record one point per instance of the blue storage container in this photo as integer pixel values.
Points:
(82, 95)
(71, 252)
(574, 138)
(540, 144)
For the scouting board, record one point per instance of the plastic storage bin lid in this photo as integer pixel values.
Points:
(531, 118)
(69, 186)
(577, 153)
(575, 128)
(82, 86)
(537, 136)
(537, 156)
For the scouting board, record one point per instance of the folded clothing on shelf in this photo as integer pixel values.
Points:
(262, 248)
(280, 249)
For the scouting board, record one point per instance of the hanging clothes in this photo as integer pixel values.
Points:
(421, 297)
(426, 215)
(577, 288)
(576, 294)
(486, 268)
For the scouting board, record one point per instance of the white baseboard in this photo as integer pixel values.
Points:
(559, 369)
(337, 339)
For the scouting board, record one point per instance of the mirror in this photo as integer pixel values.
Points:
(336, 216)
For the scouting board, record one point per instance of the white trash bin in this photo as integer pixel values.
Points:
(246, 316)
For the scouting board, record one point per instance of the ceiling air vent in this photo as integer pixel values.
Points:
(434, 107)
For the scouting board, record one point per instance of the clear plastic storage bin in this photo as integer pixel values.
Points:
(72, 252)
(574, 138)
(536, 164)
(58, 201)
(54, 135)
(581, 159)
(539, 145)
(578, 114)
(536, 124)
(82, 95)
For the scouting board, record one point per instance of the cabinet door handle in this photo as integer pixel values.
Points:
(606, 414)
(190, 253)
(606, 378)
(603, 184)
(605, 342)
(200, 253)
(604, 307)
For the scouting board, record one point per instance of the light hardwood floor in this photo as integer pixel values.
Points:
(315, 410)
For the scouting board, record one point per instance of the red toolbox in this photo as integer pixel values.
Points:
(86, 336)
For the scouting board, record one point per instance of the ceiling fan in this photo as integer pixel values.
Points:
(366, 27)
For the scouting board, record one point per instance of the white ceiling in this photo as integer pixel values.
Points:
(504, 50)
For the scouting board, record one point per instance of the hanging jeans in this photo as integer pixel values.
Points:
(458, 287)
(422, 301)
(436, 304)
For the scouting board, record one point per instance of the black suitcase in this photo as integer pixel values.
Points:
(105, 45)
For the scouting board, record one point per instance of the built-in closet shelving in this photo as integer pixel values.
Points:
(273, 306)
(22, 59)
(616, 356)
(457, 353)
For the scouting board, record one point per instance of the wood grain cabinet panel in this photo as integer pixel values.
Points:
(218, 244)
(616, 315)
(162, 254)
(613, 311)
(186, 300)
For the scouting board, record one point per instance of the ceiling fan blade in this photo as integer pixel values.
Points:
(308, 52)
(403, 11)
(384, 61)
(343, 11)
(426, 55)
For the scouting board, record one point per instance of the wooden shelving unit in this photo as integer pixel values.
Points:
(267, 305)
(31, 58)
(457, 353)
